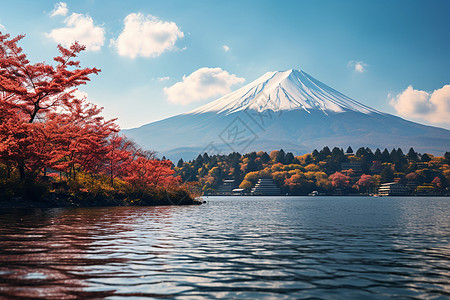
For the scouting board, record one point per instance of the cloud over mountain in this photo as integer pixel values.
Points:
(433, 107)
(202, 84)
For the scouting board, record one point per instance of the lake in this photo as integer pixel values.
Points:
(231, 247)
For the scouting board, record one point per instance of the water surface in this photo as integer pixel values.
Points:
(231, 247)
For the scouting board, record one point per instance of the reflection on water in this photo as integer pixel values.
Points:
(238, 247)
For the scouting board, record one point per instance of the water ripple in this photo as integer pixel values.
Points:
(265, 248)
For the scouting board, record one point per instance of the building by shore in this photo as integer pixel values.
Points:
(266, 187)
(392, 189)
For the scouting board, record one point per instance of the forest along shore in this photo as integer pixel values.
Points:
(57, 150)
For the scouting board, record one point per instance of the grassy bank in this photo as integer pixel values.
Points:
(23, 194)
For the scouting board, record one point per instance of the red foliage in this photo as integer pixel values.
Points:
(119, 155)
(36, 88)
(437, 181)
(411, 176)
(29, 93)
(143, 172)
(339, 179)
(43, 125)
(83, 137)
(364, 181)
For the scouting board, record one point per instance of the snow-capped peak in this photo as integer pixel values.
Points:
(284, 90)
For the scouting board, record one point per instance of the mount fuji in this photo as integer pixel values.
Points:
(289, 110)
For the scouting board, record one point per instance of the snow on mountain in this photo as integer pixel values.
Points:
(289, 110)
(285, 90)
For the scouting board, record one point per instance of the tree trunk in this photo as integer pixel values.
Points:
(21, 167)
(112, 180)
(8, 169)
(111, 173)
(33, 115)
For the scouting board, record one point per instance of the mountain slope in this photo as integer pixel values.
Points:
(285, 90)
(289, 110)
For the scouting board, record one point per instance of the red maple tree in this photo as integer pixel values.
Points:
(120, 154)
(43, 125)
(146, 171)
(28, 93)
(82, 137)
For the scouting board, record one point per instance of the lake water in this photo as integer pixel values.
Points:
(231, 247)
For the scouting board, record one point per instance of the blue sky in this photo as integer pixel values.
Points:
(391, 55)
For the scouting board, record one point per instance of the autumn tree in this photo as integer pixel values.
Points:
(246, 185)
(437, 182)
(338, 179)
(29, 92)
(86, 138)
(411, 177)
(364, 182)
(251, 177)
(145, 172)
(273, 154)
(299, 184)
(44, 125)
(312, 167)
(120, 152)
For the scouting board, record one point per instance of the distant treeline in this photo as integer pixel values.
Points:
(326, 171)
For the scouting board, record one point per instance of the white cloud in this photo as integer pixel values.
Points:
(433, 107)
(79, 28)
(202, 84)
(226, 48)
(357, 66)
(60, 9)
(2, 27)
(146, 36)
(160, 79)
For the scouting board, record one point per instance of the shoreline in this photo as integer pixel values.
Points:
(85, 200)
